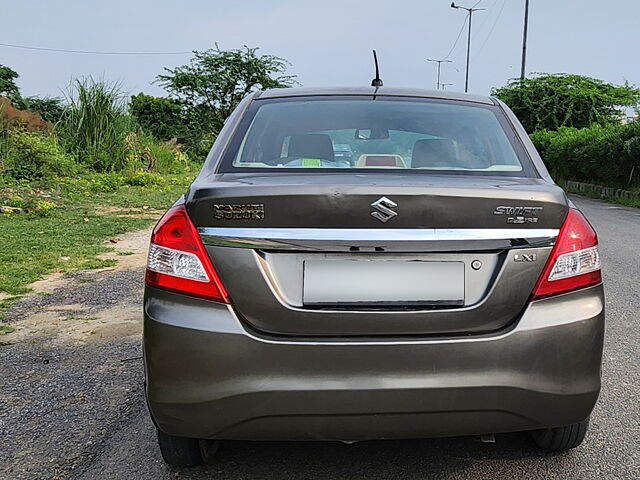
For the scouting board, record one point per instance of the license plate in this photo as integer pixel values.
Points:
(382, 282)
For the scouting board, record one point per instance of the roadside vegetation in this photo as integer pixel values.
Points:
(79, 170)
(579, 126)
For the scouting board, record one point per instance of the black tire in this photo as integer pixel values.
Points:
(561, 438)
(179, 452)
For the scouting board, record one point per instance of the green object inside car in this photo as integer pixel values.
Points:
(311, 162)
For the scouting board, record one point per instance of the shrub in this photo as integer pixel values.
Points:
(146, 153)
(144, 179)
(161, 117)
(608, 155)
(551, 101)
(31, 156)
(44, 208)
(17, 202)
(50, 109)
(105, 182)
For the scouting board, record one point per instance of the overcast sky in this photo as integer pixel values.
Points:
(328, 42)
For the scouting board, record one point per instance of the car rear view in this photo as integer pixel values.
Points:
(368, 264)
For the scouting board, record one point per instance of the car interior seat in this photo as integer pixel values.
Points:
(434, 153)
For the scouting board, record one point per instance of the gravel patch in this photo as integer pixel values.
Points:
(93, 290)
(59, 404)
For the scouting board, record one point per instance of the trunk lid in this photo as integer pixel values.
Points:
(269, 234)
(344, 201)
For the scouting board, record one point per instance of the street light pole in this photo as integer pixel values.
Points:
(470, 10)
(524, 40)
(439, 62)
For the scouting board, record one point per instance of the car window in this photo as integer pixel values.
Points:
(376, 134)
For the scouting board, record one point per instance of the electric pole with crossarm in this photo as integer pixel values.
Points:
(439, 62)
(470, 10)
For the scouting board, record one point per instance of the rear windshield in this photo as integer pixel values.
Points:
(367, 134)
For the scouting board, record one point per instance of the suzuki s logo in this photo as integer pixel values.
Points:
(383, 210)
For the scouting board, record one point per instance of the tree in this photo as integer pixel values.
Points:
(50, 109)
(8, 87)
(164, 118)
(551, 101)
(215, 81)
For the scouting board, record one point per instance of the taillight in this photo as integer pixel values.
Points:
(574, 261)
(179, 262)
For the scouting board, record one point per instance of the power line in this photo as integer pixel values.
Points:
(89, 52)
(469, 13)
(495, 22)
(457, 39)
(485, 20)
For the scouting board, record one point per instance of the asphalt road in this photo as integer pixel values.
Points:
(81, 414)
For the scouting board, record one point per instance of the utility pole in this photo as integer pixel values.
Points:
(524, 40)
(439, 62)
(444, 85)
(470, 10)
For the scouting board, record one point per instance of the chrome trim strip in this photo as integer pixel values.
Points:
(289, 238)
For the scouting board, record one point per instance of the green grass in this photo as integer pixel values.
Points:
(629, 202)
(6, 329)
(76, 318)
(5, 303)
(86, 280)
(34, 244)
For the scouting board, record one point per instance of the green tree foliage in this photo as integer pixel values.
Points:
(608, 155)
(163, 117)
(8, 87)
(215, 81)
(551, 101)
(50, 109)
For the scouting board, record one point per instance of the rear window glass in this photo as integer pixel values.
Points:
(367, 134)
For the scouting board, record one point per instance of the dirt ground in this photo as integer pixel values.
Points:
(71, 372)
(62, 320)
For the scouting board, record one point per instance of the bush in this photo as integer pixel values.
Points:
(161, 117)
(551, 101)
(44, 208)
(31, 156)
(144, 179)
(607, 155)
(50, 109)
(95, 136)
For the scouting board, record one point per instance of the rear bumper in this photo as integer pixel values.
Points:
(208, 377)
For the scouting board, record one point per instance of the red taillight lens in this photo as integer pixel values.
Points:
(179, 262)
(574, 261)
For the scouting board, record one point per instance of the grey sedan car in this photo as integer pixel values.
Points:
(439, 284)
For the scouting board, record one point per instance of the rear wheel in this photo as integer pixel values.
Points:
(561, 438)
(180, 452)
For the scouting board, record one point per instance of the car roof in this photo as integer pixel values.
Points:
(366, 91)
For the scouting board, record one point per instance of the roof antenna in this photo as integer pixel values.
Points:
(376, 82)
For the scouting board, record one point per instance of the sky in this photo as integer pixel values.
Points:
(328, 42)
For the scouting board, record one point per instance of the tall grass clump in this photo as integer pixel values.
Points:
(95, 125)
